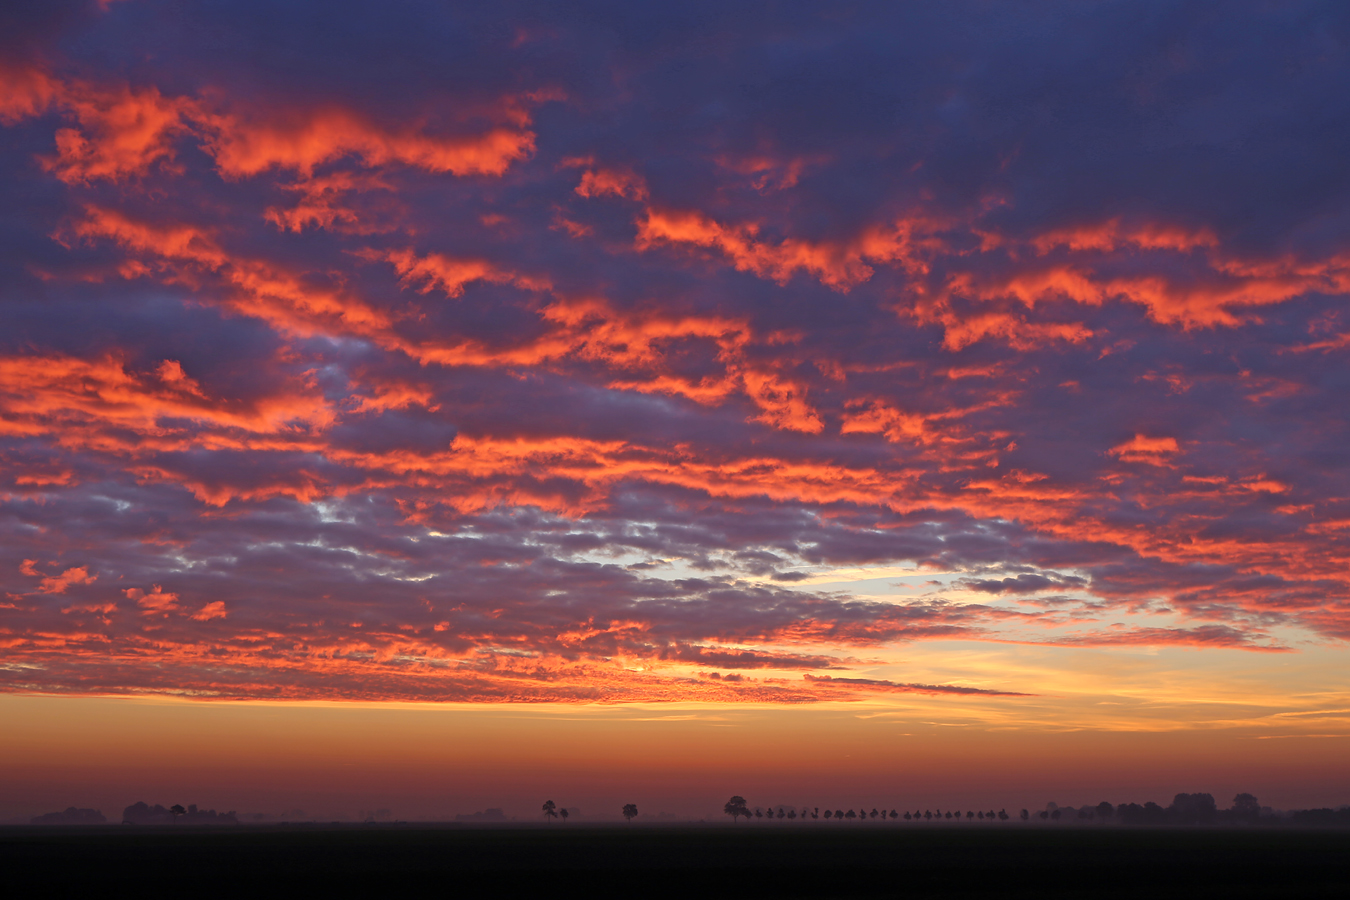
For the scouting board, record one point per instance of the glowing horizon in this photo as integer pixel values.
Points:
(969, 362)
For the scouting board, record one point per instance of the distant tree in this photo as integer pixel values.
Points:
(815, 812)
(907, 817)
(782, 813)
(630, 811)
(895, 815)
(1246, 808)
(927, 814)
(970, 815)
(850, 815)
(550, 810)
(759, 813)
(838, 813)
(949, 813)
(1105, 810)
(1193, 809)
(1044, 814)
(735, 807)
(792, 814)
(563, 812)
(177, 811)
(873, 814)
(1054, 814)
(828, 814)
(1003, 814)
(1025, 815)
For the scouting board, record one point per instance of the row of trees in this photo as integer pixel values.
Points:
(1185, 809)
(736, 808)
(553, 811)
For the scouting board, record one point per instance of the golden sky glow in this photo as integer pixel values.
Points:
(890, 377)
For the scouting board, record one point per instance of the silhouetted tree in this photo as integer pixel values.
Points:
(927, 814)
(735, 807)
(792, 814)
(177, 811)
(759, 813)
(850, 815)
(907, 818)
(1193, 809)
(838, 813)
(894, 815)
(815, 812)
(828, 814)
(1003, 814)
(1105, 810)
(550, 810)
(970, 815)
(873, 814)
(1054, 814)
(563, 812)
(1246, 808)
(1025, 815)
(630, 811)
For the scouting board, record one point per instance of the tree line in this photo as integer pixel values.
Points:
(736, 807)
(553, 811)
(1185, 809)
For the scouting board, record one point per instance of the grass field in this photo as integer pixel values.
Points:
(712, 861)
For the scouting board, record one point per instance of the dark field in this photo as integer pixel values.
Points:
(725, 861)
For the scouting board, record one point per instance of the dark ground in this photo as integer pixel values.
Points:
(712, 861)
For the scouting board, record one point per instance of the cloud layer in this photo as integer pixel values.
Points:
(528, 354)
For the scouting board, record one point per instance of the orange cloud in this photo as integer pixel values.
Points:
(57, 584)
(156, 601)
(122, 133)
(865, 415)
(244, 147)
(783, 401)
(320, 204)
(599, 182)
(840, 266)
(1144, 449)
(1110, 235)
(213, 610)
(24, 93)
(438, 271)
(186, 253)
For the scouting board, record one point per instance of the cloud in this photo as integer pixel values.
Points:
(57, 584)
(831, 680)
(156, 600)
(422, 362)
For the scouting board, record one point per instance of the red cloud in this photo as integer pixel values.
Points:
(1142, 449)
(57, 584)
(244, 147)
(435, 271)
(157, 600)
(600, 182)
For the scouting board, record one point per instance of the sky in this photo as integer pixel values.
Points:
(673, 398)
